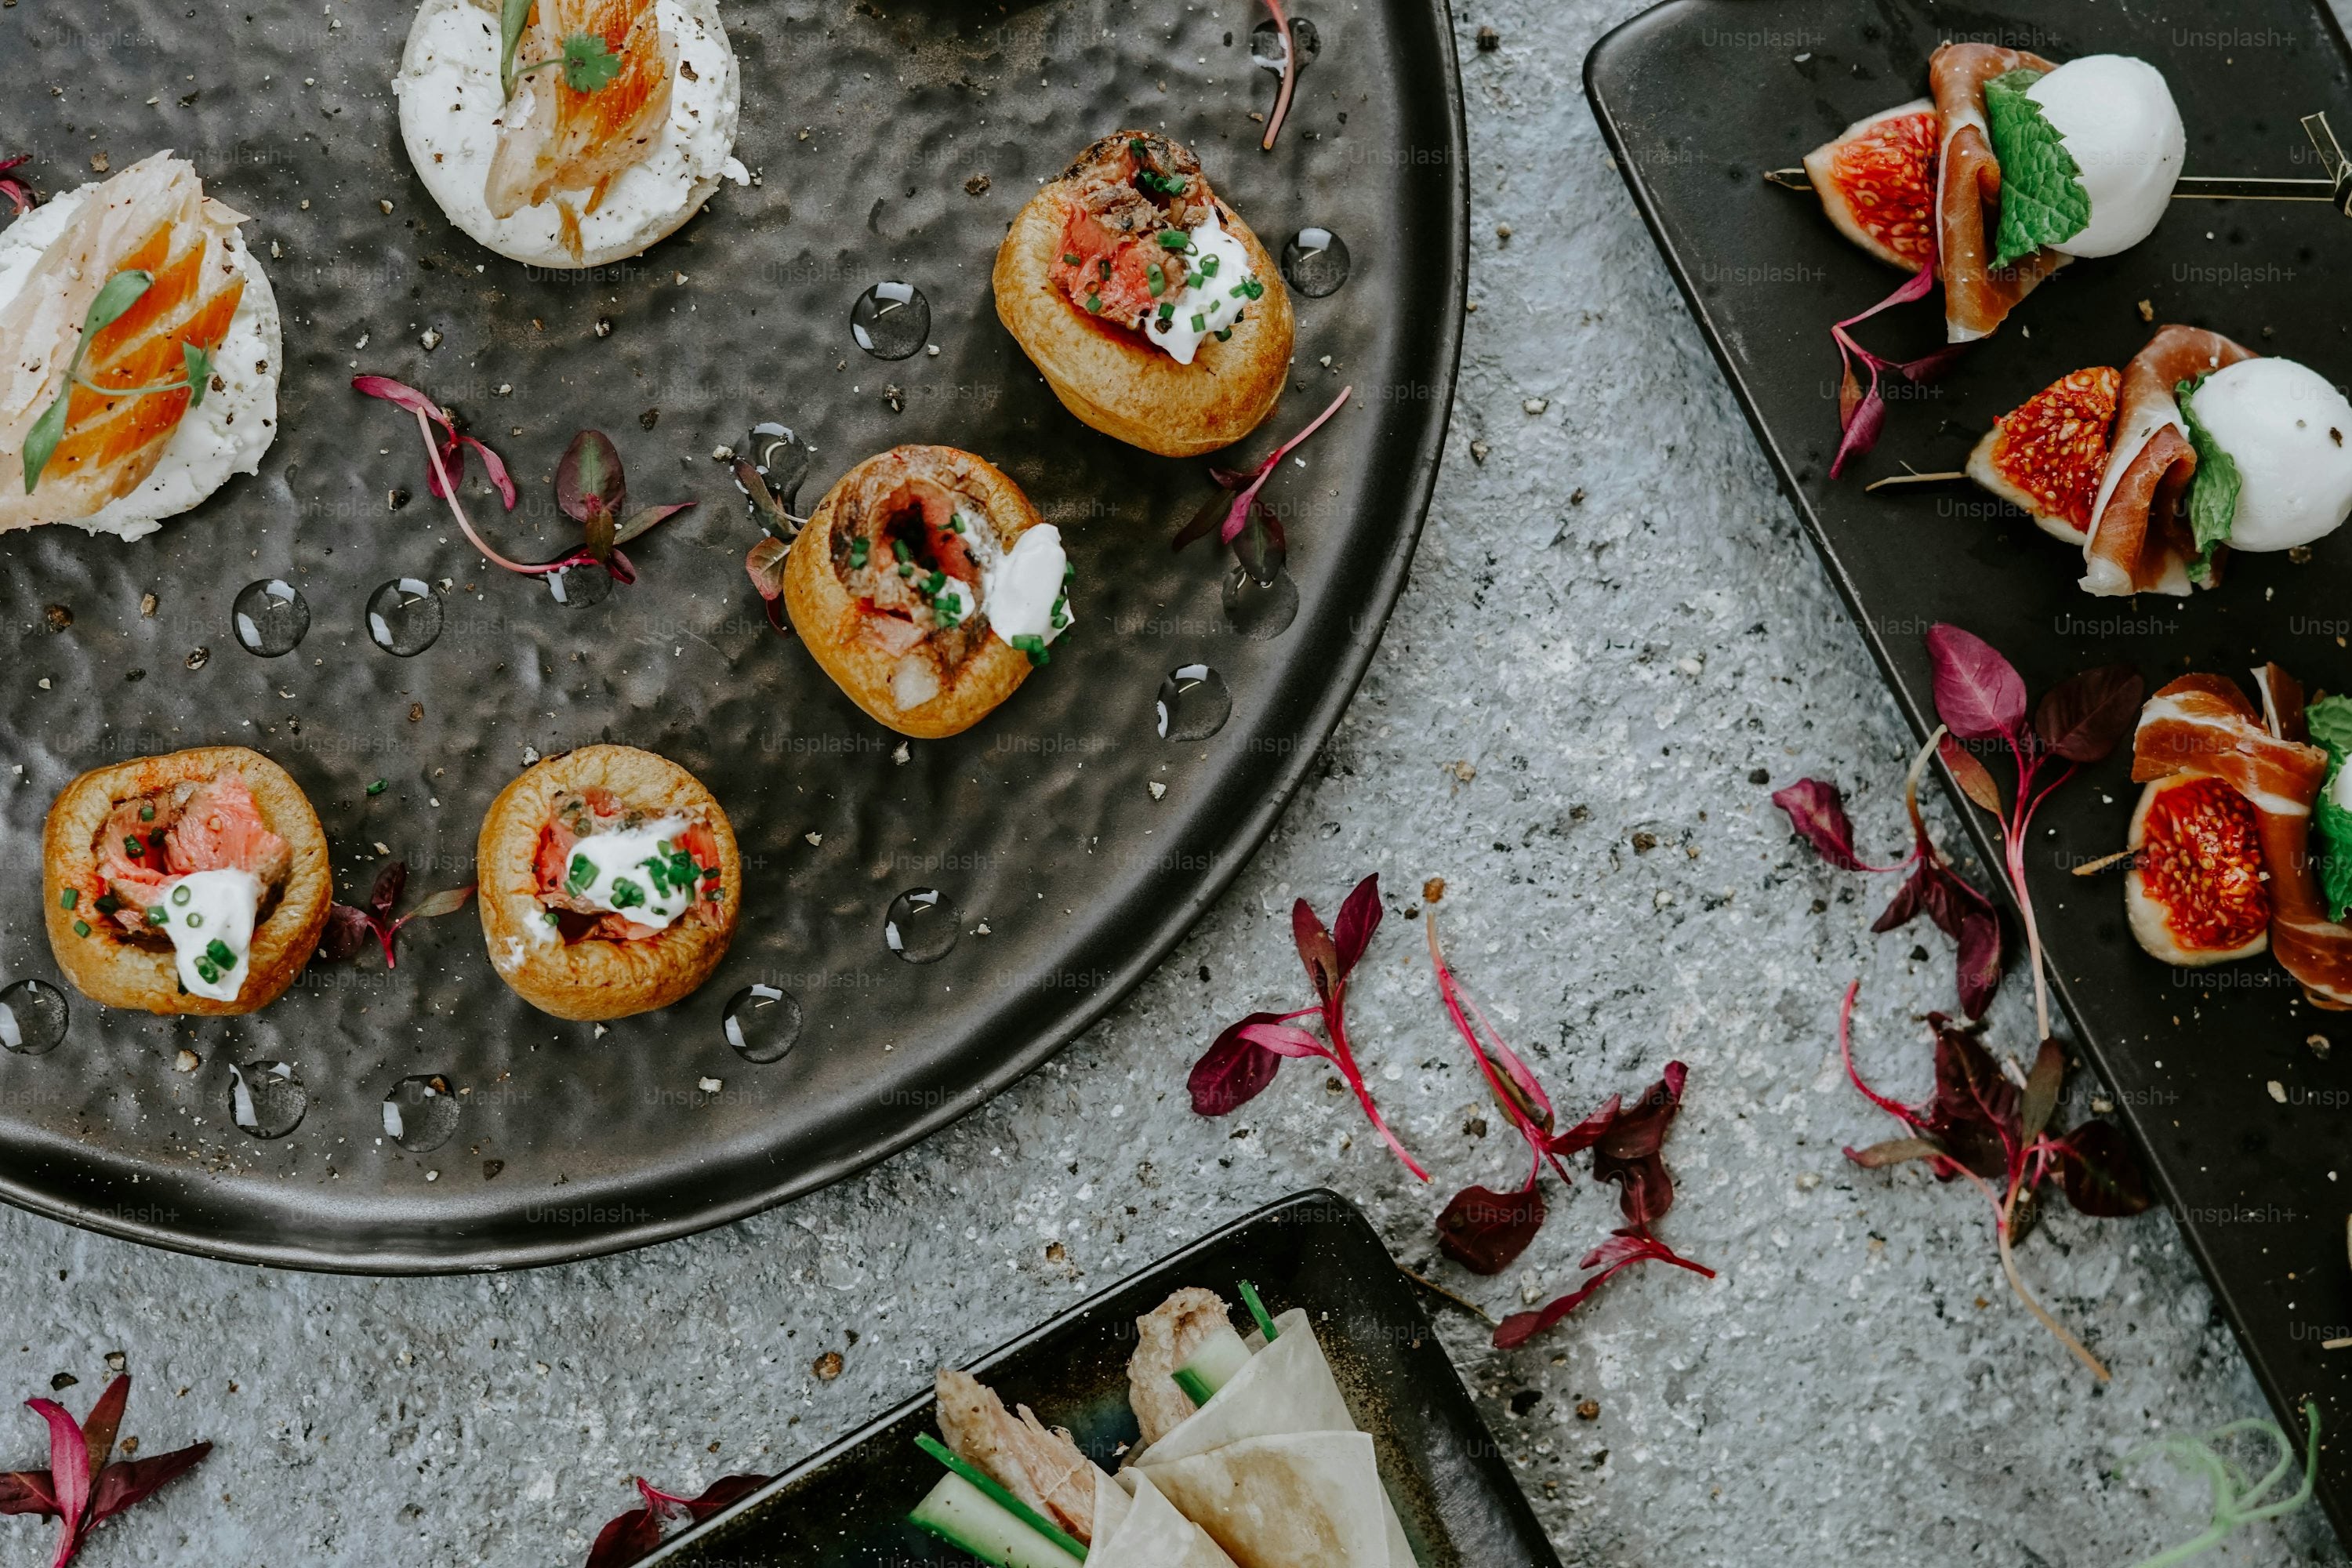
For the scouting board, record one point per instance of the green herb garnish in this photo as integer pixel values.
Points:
(1257, 1309)
(81, 928)
(70, 898)
(581, 877)
(998, 1496)
(2042, 201)
(2214, 491)
(1094, 303)
(115, 296)
(626, 895)
(1033, 646)
(377, 787)
(588, 62)
(218, 951)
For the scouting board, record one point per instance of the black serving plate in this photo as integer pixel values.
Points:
(890, 146)
(846, 1507)
(1696, 97)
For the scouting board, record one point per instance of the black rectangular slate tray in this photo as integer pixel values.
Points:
(889, 144)
(1696, 97)
(845, 1507)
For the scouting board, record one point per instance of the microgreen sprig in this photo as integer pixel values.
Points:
(1862, 412)
(1242, 521)
(2238, 1498)
(588, 62)
(1286, 69)
(115, 297)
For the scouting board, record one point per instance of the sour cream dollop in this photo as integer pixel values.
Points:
(637, 873)
(2118, 118)
(1217, 289)
(2289, 430)
(1026, 590)
(208, 915)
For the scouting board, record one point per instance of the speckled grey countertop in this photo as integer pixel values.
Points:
(1646, 628)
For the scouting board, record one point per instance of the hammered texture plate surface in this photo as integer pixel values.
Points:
(888, 142)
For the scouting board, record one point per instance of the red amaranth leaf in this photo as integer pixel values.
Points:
(1969, 774)
(1484, 1231)
(1516, 1091)
(1359, 917)
(1233, 1071)
(2086, 716)
(1317, 951)
(1862, 414)
(1817, 811)
(1978, 692)
(1627, 1246)
(27, 1491)
(1894, 1151)
(127, 1482)
(80, 1488)
(2100, 1174)
(588, 479)
(630, 1536)
(349, 926)
(1974, 1111)
(1628, 1151)
(1960, 912)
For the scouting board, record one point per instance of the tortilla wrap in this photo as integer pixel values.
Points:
(1287, 1393)
(1146, 1531)
(1303, 1500)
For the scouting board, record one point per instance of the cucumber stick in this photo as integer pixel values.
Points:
(1217, 1361)
(963, 1515)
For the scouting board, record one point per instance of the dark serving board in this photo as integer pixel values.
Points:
(846, 1507)
(871, 131)
(1696, 97)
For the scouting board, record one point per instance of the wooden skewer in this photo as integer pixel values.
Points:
(1913, 477)
(2092, 867)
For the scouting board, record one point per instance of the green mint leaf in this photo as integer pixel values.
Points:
(2330, 723)
(43, 438)
(2042, 201)
(2213, 492)
(200, 373)
(511, 19)
(588, 64)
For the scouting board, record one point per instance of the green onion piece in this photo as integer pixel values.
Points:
(998, 1496)
(717, 894)
(858, 551)
(582, 876)
(955, 523)
(1239, 291)
(1069, 258)
(1174, 238)
(1159, 279)
(1225, 334)
(1200, 323)
(1254, 286)
(106, 903)
(206, 972)
(1208, 266)
(626, 895)
(1257, 1309)
(147, 812)
(132, 847)
(377, 787)
(1195, 1387)
(70, 898)
(898, 548)
(180, 895)
(81, 928)
(905, 569)
(156, 916)
(1094, 303)
(217, 950)
(195, 920)
(1167, 309)
(935, 581)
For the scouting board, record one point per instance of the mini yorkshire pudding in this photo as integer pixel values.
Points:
(926, 587)
(610, 883)
(1153, 312)
(195, 882)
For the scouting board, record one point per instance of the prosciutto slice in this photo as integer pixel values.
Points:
(1977, 295)
(2139, 541)
(2204, 724)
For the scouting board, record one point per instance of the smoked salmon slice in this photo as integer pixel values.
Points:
(553, 138)
(152, 218)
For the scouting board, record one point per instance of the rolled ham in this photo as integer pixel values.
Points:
(2204, 724)
(1977, 295)
(2139, 541)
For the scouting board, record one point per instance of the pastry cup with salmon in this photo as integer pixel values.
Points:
(1154, 313)
(928, 587)
(195, 882)
(610, 883)
(142, 350)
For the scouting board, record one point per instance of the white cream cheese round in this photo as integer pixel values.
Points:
(2117, 119)
(1025, 591)
(208, 915)
(222, 436)
(1215, 292)
(629, 873)
(2289, 431)
(451, 99)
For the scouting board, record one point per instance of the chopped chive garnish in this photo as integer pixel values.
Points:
(377, 787)
(106, 903)
(217, 950)
(1196, 1387)
(147, 812)
(156, 916)
(583, 873)
(1208, 266)
(1159, 279)
(81, 928)
(1167, 309)
(206, 971)
(195, 918)
(905, 569)
(1103, 267)
(1069, 258)
(626, 895)
(180, 895)
(70, 898)
(858, 551)
(1257, 1309)
(1254, 286)
(1174, 238)
(1094, 303)
(1225, 334)
(1238, 290)
(898, 548)
(1033, 646)
(935, 581)
(132, 847)
(1200, 323)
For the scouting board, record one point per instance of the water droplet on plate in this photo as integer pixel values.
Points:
(271, 617)
(921, 925)
(1316, 261)
(403, 617)
(782, 459)
(762, 1023)
(1193, 704)
(1266, 42)
(580, 584)
(32, 1018)
(891, 320)
(266, 1099)
(420, 1114)
(1260, 610)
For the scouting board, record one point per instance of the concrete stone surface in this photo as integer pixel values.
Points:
(1649, 628)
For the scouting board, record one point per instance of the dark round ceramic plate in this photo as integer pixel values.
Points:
(1071, 843)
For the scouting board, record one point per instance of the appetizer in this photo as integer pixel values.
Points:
(2224, 860)
(2196, 448)
(1152, 309)
(195, 882)
(143, 353)
(610, 883)
(926, 587)
(569, 133)
(1250, 1439)
(1020, 1494)
(2014, 167)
